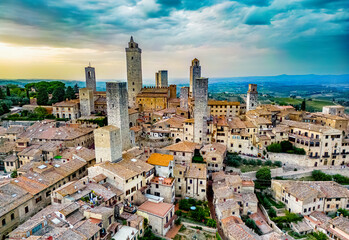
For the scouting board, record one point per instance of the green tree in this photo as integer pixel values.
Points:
(251, 224)
(272, 213)
(263, 174)
(27, 93)
(278, 163)
(69, 93)
(320, 236)
(40, 112)
(286, 145)
(42, 96)
(211, 223)
(2, 95)
(274, 147)
(58, 95)
(178, 221)
(268, 163)
(14, 174)
(76, 88)
(303, 105)
(8, 93)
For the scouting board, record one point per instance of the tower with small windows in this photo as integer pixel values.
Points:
(195, 72)
(134, 71)
(90, 75)
(200, 110)
(86, 101)
(252, 97)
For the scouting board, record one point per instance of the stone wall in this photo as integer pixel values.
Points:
(86, 101)
(90, 77)
(184, 94)
(134, 71)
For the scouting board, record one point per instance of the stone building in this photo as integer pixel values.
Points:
(67, 109)
(224, 108)
(184, 95)
(155, 98)
(200, 110)
(108, 144)
(90, 77)
(195, 72)
(118, 111)
(163, 187)
(252, 97)
(333, 110)
(134, 71)
(87, 105)
(161, 78)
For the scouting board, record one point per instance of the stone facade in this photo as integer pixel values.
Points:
(90, 77)
(195, 72)
(184, 94)
(252, 97)
(108, 144)
(134, 71)
(200, 110)
(118, 111)
(161, 78)
(86, 101)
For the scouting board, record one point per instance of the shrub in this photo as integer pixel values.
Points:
(278, 163)
(268, 163)
(211, 223)
(178, 221)
(274, 147)
(272, 213)
(259, 162)
(286, 145)
(184, 204)
(245, 161)
(263, 174)
(178, 213)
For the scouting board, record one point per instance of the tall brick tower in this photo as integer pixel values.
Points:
(86, 101)
(195, 72)
(252, 97)
(184, 94)
(90, 75)
(134, 71)
(200, 110)
(118, 111)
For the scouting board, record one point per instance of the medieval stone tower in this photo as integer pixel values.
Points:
(134, 71)
(200, 110)
(195, 72)
(252, 97)
(86, 101)
(184, 95)
(118, 111)
(108, 147)
(161, 78)
(90, 75)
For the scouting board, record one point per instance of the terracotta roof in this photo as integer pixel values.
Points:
(182, 147)
(31, 186)
(159, 209)
(70, 103)
(196, 170)
(160, 159)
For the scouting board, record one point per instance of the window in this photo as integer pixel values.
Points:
(3, 222)
(38, 199)
(190, 181)
(179, 180)
(26, 209)
(202, 190)
(12, 216)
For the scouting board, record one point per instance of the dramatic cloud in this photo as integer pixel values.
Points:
(231, 38)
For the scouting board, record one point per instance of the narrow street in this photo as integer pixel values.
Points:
(212, 209)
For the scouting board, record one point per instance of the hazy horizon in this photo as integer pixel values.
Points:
(50, 39)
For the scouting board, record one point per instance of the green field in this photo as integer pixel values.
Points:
(314, 105)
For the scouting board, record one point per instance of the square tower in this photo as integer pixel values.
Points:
(200, 110)
(108, 144)
(161, 78)
(90, 75)
(117, 110)
(252, 97)
(134, 71)
(195, 72)
(86, 101)
(184, 95)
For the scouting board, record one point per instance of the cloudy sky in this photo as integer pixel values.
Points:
(57, 38)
